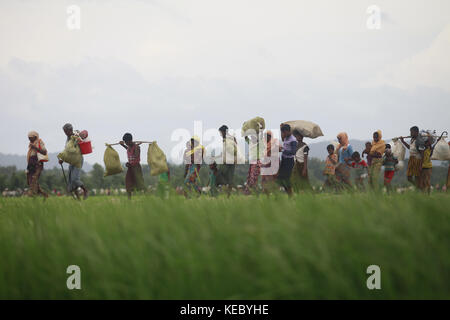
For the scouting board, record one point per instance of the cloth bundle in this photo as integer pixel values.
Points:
(441, 151)
(253, 126)
(398, 149)
(308, 129)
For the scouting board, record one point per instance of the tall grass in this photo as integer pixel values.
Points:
(311, 246)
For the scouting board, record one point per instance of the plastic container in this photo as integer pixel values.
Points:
(85, 147)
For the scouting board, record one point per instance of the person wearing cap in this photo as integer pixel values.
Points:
(74, 179)
(34, 165)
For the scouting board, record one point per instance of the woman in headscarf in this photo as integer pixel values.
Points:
(376, 153)
(35, 165)
(193, 159)
(344, 151)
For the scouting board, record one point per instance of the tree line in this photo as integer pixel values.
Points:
(53, 179)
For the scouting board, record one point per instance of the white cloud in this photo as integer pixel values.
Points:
(151, 67)
(429, 68)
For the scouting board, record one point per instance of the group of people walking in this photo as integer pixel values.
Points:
(378, 154)
(279, 163)
(36, 157)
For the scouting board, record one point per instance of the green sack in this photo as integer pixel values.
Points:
(156, 160)
(112, 162)
(72, 153)
(255, 124)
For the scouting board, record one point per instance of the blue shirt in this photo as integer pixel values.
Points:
(347, 153)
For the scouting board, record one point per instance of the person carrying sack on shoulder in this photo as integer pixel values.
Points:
(416, 148)
(74, 172)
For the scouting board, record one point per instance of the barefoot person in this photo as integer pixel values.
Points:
(416, 148)
(360, 167)
(288, 150)
(345, 152)
(366, 152)
(255, 154)
(300, 178)
(270, 163)
(376, 153)
(427, 165)
(34, 166)
(225, 175)
(134, 180)
(330, 169)
(193, 159)
(74, 181)
(389, 163)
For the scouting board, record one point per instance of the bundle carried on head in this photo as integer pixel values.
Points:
(72, 153)
(307, 129)
(156, 159)
(111, 160)
(253, 126)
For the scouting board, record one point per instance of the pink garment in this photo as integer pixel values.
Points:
(134, 155)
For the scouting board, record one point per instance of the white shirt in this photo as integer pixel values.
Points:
(300, 155)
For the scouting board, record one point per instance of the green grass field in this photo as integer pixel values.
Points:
(308, 247)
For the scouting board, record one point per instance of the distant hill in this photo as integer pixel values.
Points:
(20, 161)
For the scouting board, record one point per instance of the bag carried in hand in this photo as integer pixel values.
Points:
(72, 153)
(42, 157)
(156, 160)
(112, 163)
(398, 149)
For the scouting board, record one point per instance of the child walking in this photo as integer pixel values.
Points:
(288, 150)
(134, 180)
(366, 152)
(361, 170)
(427, 165)
(389, 162)
(330, 169)
(212, 183)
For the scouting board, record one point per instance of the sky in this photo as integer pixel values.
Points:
(154, 67)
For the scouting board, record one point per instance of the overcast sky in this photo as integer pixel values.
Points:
(150, 67)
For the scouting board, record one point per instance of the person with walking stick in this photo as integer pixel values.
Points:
(74, 181)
